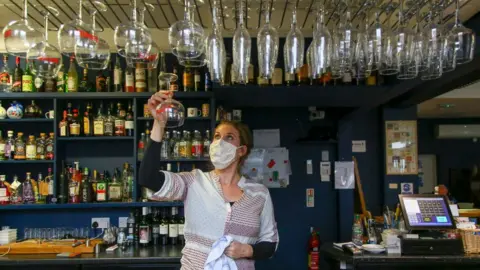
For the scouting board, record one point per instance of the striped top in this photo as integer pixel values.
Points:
(208, 216)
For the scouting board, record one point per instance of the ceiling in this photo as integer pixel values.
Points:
(167, 12)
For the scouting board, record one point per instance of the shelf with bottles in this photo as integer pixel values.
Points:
(181, 95)
(17, 148)
(26, 111)
(95, 138)
(195, 118)
(88, 205)
(13, 161)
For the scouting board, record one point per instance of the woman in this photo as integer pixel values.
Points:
(217, 203)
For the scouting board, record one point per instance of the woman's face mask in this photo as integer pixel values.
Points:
(222, 154)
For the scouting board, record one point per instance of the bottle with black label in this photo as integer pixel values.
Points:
(163, 226)
(173, 227)
(144, 228)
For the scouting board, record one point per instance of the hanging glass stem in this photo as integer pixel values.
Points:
(188, 16)
(25, 10)
(134, 11)
(46, 26)
(80, 9)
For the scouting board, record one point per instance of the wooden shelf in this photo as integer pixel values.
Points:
(26, 161)
(100, 95)
(94, 138)
(87, 205)
(24, 120)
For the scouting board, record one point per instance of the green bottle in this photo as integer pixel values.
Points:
(27, 80)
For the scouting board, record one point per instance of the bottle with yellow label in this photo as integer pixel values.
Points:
(27, 80)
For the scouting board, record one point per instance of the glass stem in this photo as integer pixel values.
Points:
(25, 10)
(134, 11)
(457, 12)
(46, 27)
(80, 9)
(188, 16)
(94, 14)
(294, 17)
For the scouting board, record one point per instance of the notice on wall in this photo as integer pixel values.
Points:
(401, 147)
(325, 171)
(266, 138)
(310, 197)
(344, 175)
(359, 146)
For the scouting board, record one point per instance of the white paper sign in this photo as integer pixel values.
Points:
(325, 171)
(359, 146)
(266, 138)
(122, 222)
(344, 175)
(325, 156)
(454, 210)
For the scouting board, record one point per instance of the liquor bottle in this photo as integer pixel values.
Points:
(42, 189)
(163, 228)
(198, 80)
(101, 82)
(117, 76)
(108, 82)
(174, 85)
(115, 189)
(131, 226)
(182, 145)
(16, 190)
(17, 77)
(20, 147)
(2, 147)
(39, 83)
(50, 82)
(93, 185)
(188, 80)
(28, 194)
(228, 71)
(129, 80)
(181, 225)
(75, 124)
(302, 75)
(127, 184)
(206, 144)
(84, 85)
(101, 189)
(74, 185)
(175, 142)
(197, 145)
(144, 228)
(51, 183)
(263, 82)
(61, 79)
(49, 154)
(40, 146)
(109, 122)
(251, 74)
(156, 228)
(277, 78)
(152, 80)
(140, 79)
(208, 81)
(147, 135)
(10, 146)
(98, 123)
(129, 123)
(32, 110)
(88, 120)
(72, 77)
(289, 78)
(4, 191)
(63, 125)
(31, 148)
(347, 78)
(27, 80)
(141, 147)
(120, 121)
(188, 145)
(63, 187)
(5, 80)
(165, 147)
(173, 228)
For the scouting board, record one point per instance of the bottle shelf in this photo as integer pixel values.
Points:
(186, 118)
(95, 138)
(100, 95)
(26, 161)
(87, 205)
(184, 160)
(24, 120)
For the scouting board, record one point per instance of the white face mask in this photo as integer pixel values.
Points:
(222, 154)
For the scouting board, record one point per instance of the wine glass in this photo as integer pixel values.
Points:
(267, 44)
(45, 59)
(19, 36)
(186, 37)
(75, 32)
(294, 46)
(216, 54)
(463, 38)
(94, 52)
(173, 110)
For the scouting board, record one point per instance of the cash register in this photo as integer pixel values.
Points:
(426, 217)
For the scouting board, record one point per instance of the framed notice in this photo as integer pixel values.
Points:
(401, 147)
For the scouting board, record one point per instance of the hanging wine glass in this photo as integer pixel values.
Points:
(405, 47)
(294, 48)
(186, 37)
(321, 46)
(448, 42)
(19, 36)
(141, 55)
(73, 32)
(267, 44)
(464, 39)
(419, 64)
(94, 52)
(173, 111)
(215, 50)
(389, 65)
(346, 48)
(132, 32)
(44, 59)
(193, 62)
(362, 60)
(434, 60)
(336, 68)
(242, 45)
(375, 40)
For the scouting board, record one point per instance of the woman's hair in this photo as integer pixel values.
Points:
(246, 138)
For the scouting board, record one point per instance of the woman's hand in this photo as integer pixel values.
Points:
(237, 250)
(155, 100)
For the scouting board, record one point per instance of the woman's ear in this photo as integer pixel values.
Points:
(242, 150)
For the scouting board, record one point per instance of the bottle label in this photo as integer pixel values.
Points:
(49, 147)
(75, 129)
(27, 83)
(128, 124)
(144, 234)
(155, 230)
(2, 149)
(4, 78)
(197, 78)
(117, 74)
(180, 229)
(101, 84)
(101, 192)
(289, 76)
(129, 80)
(86, 125)
(173, 230)
(38, 82)
(31, 153)
(119, 127)
(50, 187)
(98, 128)
(163, 229)
(3, 195)
(115, 192)
(108, 128)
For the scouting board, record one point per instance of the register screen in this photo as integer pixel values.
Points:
(428, 212)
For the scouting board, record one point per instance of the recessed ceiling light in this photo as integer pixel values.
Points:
(446, 105)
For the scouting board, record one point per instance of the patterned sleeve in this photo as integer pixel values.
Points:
(175, 186)
(268, 225)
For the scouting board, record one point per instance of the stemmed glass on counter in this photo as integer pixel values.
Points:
(51, 234)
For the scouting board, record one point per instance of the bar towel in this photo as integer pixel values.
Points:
(217, 260)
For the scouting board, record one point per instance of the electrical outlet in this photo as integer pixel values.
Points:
(103, 223)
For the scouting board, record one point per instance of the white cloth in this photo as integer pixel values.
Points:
(217, 260)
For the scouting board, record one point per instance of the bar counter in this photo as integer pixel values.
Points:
(133, 258)
(337, 259)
